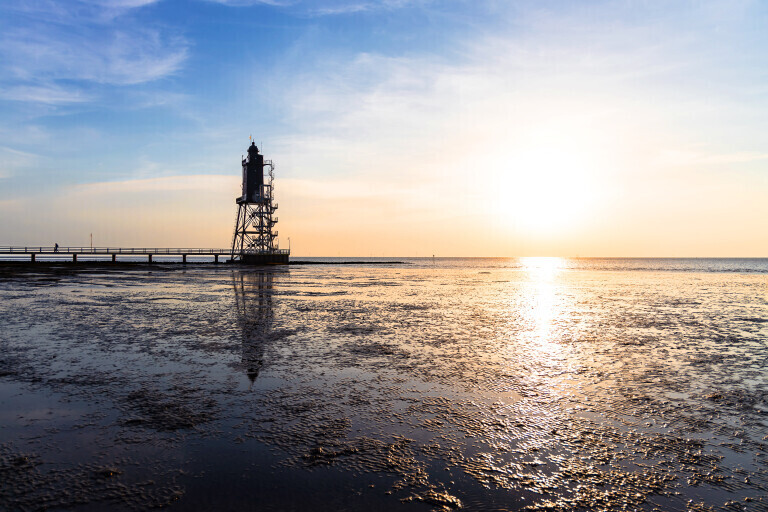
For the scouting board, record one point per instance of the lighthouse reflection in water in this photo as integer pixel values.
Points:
(253, 296)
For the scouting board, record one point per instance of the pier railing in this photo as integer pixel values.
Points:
(34, 251)
(109, 250)
(114, 252)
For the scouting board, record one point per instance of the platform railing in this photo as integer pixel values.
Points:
(274, 251)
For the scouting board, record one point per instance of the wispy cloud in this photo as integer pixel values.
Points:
(49, 50)
(13, 159)
(200, 182)
(339, 7)
(44, 93)
(73, 11)
(96, 54)
(10, 205)
(245, 3)
(325, 7)
(688, 158)
(122, 4)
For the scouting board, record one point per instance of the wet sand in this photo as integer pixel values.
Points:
(416, 386)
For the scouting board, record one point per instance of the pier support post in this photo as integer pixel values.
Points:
(215, 258)
(33, 257)
(149, 258)
(74, 258)
(114, 258)
(183, 258)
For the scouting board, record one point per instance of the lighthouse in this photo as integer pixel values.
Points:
(254, 241)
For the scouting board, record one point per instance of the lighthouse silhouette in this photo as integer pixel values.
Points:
(254, 241)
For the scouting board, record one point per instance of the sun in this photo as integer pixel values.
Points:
(544, 189)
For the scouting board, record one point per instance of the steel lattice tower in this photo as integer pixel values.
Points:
(255, 238)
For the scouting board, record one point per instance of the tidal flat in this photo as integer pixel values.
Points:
(479, 384)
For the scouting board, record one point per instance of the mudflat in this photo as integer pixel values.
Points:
(486, 384)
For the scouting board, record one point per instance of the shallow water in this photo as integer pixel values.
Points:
(488, 384)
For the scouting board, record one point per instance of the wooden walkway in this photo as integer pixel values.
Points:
(113, 252)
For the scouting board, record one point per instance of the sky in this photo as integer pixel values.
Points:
(396, 127)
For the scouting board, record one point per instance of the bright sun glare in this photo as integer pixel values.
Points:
(545, 189)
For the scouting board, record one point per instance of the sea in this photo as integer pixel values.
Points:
(377, 384)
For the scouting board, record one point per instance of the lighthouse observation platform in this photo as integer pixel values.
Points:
(39, 253)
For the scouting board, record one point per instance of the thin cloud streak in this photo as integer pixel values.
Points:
(325, 7)
(73, 12)
(49, 94)
(60, 48)
(117, 57)
(180, 183)
(12, 160)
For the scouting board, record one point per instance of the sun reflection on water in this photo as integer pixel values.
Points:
(544, 308)
(543, 265)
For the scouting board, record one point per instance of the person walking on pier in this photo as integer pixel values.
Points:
(56, 247)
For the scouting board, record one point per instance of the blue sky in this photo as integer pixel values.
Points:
(397, 127)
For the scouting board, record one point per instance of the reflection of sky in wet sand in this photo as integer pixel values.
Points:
(500, 383)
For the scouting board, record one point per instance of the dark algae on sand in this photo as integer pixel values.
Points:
(487, 384)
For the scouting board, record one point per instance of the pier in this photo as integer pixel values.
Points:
(35, 252)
